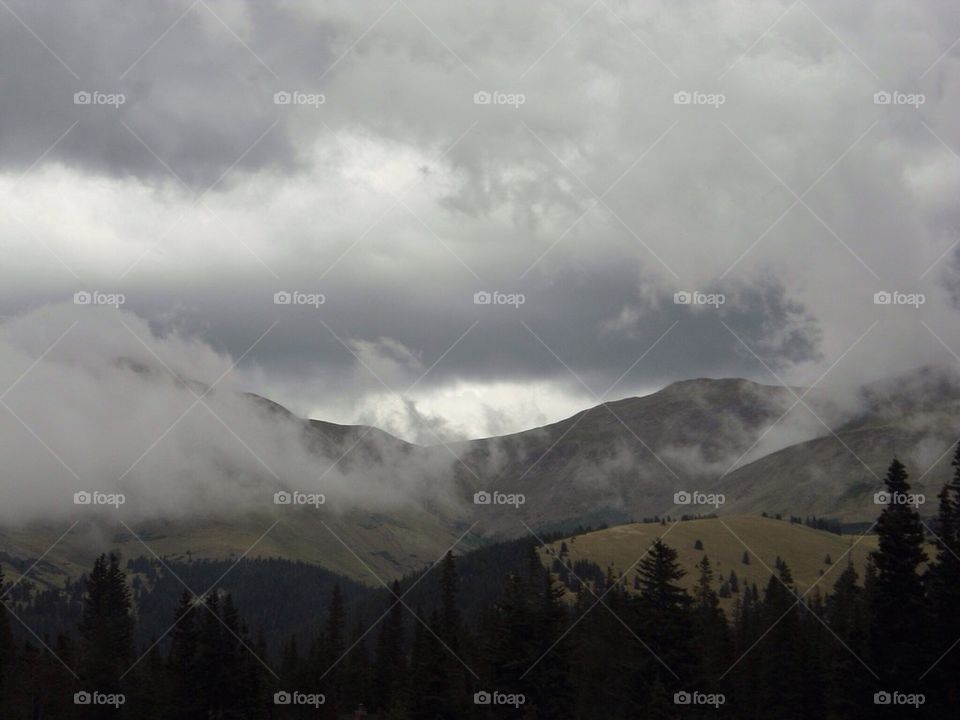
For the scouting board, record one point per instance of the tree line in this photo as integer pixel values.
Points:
(877, 646)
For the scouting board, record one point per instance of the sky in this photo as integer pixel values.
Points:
(188, 166)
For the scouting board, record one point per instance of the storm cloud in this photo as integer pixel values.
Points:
(606, 162)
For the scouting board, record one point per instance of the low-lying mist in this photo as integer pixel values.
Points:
(98, 400)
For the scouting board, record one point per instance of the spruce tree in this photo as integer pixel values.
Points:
(390, 668)
(897, 599)
(849, 684)
(427, 673)
(106, 627)
(780, 668)
(711, 634)
(357, 671)
(451, 633)
(182, 659)
(662, 620)
(943, 583)
(6, 649)
(212, 684)
(550, 678)
(333, 650)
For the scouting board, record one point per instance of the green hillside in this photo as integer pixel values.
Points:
(724, 541)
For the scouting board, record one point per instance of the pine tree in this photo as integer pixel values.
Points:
(943, 583)
(182, 659)
(427, 673)
(149, 695)
(897, 600)
(662, 619)
(711, 634)
(333, 652)
(211, 682)
(550, 678)
(357, 671)
(390, 667)
(240, 687)
(781, 668)
(848, 682)
(7, 658)
(290, 659)
(451, 634)
(106, 627)
(511, 646)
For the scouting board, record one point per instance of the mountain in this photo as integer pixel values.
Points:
(614, 463)
(915, 416)
(623, 459)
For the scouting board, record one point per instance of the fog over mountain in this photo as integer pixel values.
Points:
(158, 417)
(168, 422)
(419, 359)
(599, 196)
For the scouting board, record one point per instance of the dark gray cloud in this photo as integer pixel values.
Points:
(781, 185)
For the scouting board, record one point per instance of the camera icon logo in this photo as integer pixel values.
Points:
(882, 298)
(282, 698)
(682, 698)
(282, 98)
(82, 298)
(684, 297)
(82, 498)
(482, 98)
(482, 498)
(82, 98)
(882, 98)
(282, 497)
(682, 498)
(881, 498)
(682, 98)
(482, 298)
(282, 298)
(882, 698)
(82, 698)
(482, 698)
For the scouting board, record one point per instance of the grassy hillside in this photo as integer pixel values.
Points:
(724, 541)
(352, 545)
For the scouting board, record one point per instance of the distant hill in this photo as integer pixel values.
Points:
(610, 464)
(626, 459)
(724, 540)
(915, 416)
